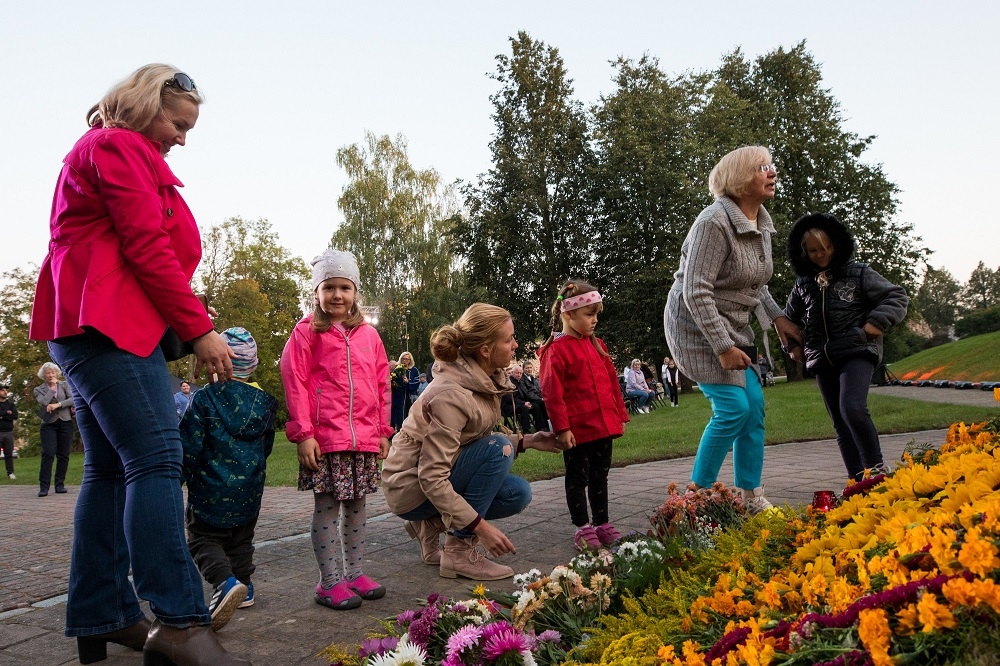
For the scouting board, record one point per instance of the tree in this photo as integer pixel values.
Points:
(20, 358)
(528, 227)
(254, 282)
(983, 288)
(647, 149)
(937, 301)
(398, 222)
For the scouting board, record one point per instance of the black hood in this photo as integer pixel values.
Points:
(843, 243)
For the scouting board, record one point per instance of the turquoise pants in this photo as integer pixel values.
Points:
(737, 423)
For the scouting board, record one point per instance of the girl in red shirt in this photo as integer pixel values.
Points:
(586, 409)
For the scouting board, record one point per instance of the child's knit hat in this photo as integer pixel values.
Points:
(335, 263)
(241, 342)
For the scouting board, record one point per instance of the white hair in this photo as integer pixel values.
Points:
(46, 366)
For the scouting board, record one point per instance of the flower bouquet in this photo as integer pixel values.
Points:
(696, 515)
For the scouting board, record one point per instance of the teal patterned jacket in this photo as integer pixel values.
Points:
(228, 433)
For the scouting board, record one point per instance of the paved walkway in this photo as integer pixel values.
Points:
(286, 626)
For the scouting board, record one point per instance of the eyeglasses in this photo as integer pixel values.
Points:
(182, 81)
(767, 167)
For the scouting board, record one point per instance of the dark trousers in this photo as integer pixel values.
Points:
(523, 413)
(7, 442)
(221, 552)
(540, 415)
(845, 392)
(57, 438)
(672, 389)
(587, 469)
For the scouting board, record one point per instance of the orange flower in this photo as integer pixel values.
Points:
(908, 620)
(666, 652)
(933, 614)
(978, 555)
(874, 631)
(960, 592)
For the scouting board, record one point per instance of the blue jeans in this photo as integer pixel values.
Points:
(130, 511)
(737, 423)
(481, 475)
(643, 398)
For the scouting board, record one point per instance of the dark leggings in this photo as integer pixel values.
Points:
(587, 469)
(845, 392)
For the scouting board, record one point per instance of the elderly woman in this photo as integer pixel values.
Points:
(55, 411)
(637, 387)
(448, 469)
(722, 280)
(122, 251)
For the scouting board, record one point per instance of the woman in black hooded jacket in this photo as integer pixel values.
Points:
(843, 307)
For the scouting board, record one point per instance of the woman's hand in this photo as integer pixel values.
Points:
(51, 407)
(787, 330)
(872, 331)
(796, 355)
(214, 355)
(549, 441)
(495, 541)
(309, 453)
(383, 448)
(734, 359)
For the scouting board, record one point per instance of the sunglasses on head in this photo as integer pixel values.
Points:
(181, 81)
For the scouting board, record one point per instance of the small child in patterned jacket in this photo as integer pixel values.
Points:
(227, 433)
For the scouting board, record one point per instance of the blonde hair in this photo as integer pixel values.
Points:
(406, 353)
(736, 170)
(135, 102)
(479, 325)
(821, 236)
(569, 289)
(49, 365)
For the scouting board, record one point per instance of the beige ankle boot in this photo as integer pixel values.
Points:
(463, 557)
(755, 500)
(428, 532)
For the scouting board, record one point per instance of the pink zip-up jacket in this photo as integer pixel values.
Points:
(336, 387)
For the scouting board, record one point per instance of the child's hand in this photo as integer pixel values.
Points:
(872, 331)
(565, 440)
(383, 448)
(309, 454)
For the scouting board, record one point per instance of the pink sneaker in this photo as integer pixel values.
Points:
(586, 538)
(338, 597)
(366, 588)
(607, 534)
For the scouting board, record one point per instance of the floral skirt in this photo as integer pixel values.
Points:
(345, 475)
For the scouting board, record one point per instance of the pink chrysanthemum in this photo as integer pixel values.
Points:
(505, 641)
(466, 637)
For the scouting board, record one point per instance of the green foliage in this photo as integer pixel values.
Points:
(977, 322)
(982, 291)
(937, 300)
(529, 226)
(20, 358)
(253, 282)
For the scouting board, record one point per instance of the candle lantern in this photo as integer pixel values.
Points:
(824, 500)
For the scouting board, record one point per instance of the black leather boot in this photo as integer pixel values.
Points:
(95, 648)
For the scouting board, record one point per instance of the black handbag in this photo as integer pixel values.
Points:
(172, 346)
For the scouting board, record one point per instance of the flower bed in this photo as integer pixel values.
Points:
(903, 571)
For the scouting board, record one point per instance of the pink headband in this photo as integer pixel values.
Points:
(580, 301)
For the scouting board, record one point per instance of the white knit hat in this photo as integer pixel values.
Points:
(335, 263)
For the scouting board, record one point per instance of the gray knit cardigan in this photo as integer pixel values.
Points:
(722, 279)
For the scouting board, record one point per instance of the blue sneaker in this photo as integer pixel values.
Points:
(247, 600)
(229, 594)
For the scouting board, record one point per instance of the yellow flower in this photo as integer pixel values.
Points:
(692, 657)
(933, 614)
(908, 620)
(960, 592)
(666, 652)
(875, 634)
(479, 590)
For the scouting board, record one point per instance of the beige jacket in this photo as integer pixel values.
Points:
(460, 406)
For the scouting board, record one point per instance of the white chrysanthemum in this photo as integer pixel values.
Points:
(408, 654)
(527, 658)
(527, 578)
(628, 550)
(524, 600)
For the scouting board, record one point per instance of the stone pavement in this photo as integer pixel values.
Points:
(286, 626)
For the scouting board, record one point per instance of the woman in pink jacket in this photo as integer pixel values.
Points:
(336, 377)
(122, 251)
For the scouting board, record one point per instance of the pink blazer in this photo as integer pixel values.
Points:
(123, 247)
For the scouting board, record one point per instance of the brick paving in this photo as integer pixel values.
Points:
(286, 626)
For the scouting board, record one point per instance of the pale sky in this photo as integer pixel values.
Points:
(288, 83)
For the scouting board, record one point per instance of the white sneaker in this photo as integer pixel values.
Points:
(755, 501)
(644, 410)
(12, 477)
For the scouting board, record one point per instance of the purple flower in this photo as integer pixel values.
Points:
(466, 637)
(549, 636)
(377, 646)
(406, 617)
(504, 641)
(421, 631)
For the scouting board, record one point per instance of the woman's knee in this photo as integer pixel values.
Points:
(515, 492)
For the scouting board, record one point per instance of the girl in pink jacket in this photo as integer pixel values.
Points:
(336, 377)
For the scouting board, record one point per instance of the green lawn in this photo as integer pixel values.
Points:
(795, 412)
(972, 359)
